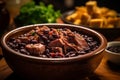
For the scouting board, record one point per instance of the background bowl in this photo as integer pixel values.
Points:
(109, 33)
(31, 67)
(112, 56)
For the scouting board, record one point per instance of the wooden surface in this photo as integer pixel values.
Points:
(105, 71)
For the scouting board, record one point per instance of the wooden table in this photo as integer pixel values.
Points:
(105, 71)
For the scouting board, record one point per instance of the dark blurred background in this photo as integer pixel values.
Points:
(13, 7)
(64, 5)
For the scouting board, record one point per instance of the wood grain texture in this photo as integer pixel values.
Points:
(5, 71)
(108, 71)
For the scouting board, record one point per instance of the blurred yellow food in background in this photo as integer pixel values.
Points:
(95, 17)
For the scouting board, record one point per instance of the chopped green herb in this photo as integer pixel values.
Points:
(31, 13)
(33, 33)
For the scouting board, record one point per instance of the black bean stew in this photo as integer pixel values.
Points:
(53, 43)
(115, 49)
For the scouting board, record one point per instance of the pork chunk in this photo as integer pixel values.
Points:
(80, 41)
(35, 49)
(56, 43)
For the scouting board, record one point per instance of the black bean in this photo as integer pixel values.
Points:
(47, 51)
(47, 41)
(22, 44)
(89, 39)
(48, 55)
(9, 43)
(22, 47)
(17, 45)
(44, 37)
(94, 48)
(43, 56)
(71, 54)
(85, 36)
(12, 45)
(46, 31)
(24, 51)
(92, 44)
(87, 49)
(12, 39)
(56, 36)
(33, 41)
(16, 50)
(81, 52)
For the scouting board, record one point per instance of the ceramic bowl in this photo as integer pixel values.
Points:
(32, 67)
(112, 56)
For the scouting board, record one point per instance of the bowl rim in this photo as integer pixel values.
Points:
(100, 49)
(112, 43)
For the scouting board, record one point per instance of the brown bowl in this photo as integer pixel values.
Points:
(31, 67)
(112, 56)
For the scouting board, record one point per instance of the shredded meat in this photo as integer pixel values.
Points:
(56, 43)
(70, 41)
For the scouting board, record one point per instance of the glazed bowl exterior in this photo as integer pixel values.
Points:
(31, 67)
